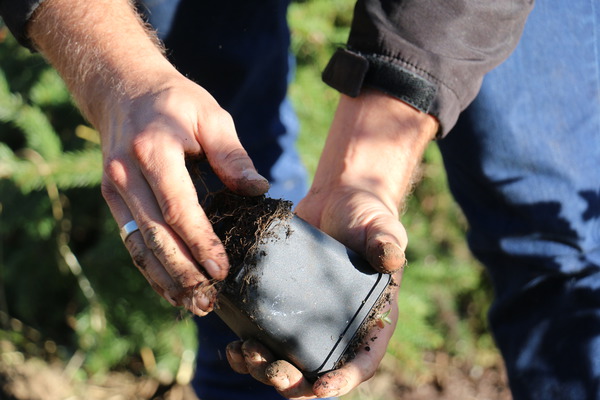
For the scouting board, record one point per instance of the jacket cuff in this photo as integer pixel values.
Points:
(349, 71)
(16, 15)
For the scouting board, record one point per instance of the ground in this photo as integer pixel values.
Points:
(34, 379)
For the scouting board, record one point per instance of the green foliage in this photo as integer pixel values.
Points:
(314, 39)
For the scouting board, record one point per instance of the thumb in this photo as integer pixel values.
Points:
(229, 160)
(386, 242)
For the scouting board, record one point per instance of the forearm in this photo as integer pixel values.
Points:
(375, 144)
(101, 48)
(430, 54)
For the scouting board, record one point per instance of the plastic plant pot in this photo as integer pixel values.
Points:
(304, 295)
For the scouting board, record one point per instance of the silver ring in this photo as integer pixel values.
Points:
(128, 229)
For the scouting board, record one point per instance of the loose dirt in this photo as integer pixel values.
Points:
(445, 379)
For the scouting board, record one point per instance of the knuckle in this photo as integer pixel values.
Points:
(201, 249)
(142, 149)
(109, 193)
(115, 171)
(178, 293)
(173, 211)
(154, 239)
(221, 119)
(139, 253)
(236, 156)
(186, 280)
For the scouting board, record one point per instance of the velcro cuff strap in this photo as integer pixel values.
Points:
(349, 72)
(346, 72)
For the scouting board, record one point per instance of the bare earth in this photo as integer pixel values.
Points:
(34, 379)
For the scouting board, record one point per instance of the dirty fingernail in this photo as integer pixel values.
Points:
(234, 355)
(389, 257)
(212, 268)
(202, 302)
(252, 175)
(254, 357)
(249, 350)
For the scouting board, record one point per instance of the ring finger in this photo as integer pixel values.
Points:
(162, 259)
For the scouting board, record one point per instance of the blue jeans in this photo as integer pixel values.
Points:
(524, 164)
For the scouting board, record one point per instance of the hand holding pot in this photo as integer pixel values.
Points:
(373, 149)
(150, 119)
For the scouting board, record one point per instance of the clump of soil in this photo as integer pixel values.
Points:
(243, 223)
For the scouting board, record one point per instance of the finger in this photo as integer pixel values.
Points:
(365, 363)
(163, 166)
(386, 241)
(227, 157)
(361, 221)
(257, 359)
(160, 253)
(235, 357)
(289, 381)
(142, 258)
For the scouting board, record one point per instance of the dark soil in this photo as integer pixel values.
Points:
(243, 223)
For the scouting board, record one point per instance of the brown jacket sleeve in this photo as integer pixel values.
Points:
(431, 54)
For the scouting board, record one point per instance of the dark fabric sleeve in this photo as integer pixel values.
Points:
(431, 54)
(15, 14)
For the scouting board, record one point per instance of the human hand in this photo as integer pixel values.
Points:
(150, 118)
(251, 357)
(145, 142)
(372, 152)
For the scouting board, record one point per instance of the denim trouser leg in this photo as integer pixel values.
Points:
(524, 164)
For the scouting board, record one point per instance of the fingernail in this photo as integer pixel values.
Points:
(254, 357)
(235, 356)
(171, 300)
(252, 175)
(250, 354)
(202, 302)
(212, 268)
(389, 257)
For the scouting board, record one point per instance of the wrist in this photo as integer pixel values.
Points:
(104, 97)
(375, 144)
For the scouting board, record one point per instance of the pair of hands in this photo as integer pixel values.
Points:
(151, 118)
(360, 182)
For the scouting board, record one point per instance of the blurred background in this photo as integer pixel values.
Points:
(78, 321)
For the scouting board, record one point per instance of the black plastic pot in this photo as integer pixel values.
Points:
(304, 296)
